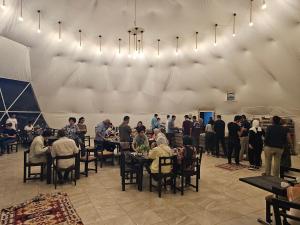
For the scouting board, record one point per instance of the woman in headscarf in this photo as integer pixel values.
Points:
(255, 145)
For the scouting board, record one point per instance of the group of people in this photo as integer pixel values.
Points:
(247, 141)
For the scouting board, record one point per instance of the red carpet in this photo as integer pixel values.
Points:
(44, 209)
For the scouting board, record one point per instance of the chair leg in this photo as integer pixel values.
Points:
(197, 184)
(96, 166)
(75, 180)
(86, 169)
(174, 184)
(24, 174)
(159, 187)
(42, 173)
(123, 182)
(55, 178)
(165, 183)
(150, 182)
(182, 185)
(268, 212)
(101, 162)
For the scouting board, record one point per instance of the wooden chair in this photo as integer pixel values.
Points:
(28, 175)
(162, 178)
(281, 207)
(128, 171)
(90, 157)
(12, 147)
(87, 141)
(56, 169)
(189, 169)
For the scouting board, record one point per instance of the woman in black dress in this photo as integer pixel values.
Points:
(255, 145)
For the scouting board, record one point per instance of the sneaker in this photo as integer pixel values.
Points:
(251, 167)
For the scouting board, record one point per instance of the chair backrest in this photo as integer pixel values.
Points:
(190, 165)
(26, 153)
(169, 161)
(281, 207)
(62, 157)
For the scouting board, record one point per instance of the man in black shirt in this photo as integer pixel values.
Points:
(8, 136)
(125, 134)
(234, 134)
(276, 138)
(219, 128)
(244, 137)
(187, 126)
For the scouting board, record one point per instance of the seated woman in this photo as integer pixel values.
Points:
(9, 135)
(141, 125)
(186, 156)
(162, 150)
(140, 140)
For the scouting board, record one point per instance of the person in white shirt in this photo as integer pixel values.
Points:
(62, 147)
(13, 120)
(38, 151)
(29, 127)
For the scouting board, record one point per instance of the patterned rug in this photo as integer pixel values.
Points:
(44, 209)
(231, 167)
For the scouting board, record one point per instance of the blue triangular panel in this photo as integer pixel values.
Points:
(3, 121)
(1, 104)
(26, 102)
(11, 89)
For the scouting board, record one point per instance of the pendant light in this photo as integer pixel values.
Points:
(129, 44)
(100, 44)
(177, 44)
(196, 42)
(251, 14)
(119, 45)
(59, 31)
(234, 25)
(21, 11)
(39, 22)
(215, 42)
(3, 5)
(80, 44)
(158, 41)
(264, 4)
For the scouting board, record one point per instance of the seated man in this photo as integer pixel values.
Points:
(158, 134)
(9, 135)
(140, 140)
(37, 153)
(162, 150)
(62, 147)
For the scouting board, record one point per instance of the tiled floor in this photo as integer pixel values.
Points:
(98, 199)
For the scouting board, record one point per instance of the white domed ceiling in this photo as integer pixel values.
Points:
(261, 64)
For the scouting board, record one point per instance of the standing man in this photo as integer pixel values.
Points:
(167, 122)
(13, 120)
(220, 135)
(125, 134)
(244, 137)
(276, 139)
(187, 126)
(100, 131)
(196, 131)
(234, 134)
(154, 122)
(171, 130)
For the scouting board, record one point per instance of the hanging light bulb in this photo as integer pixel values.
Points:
(142, 41)
(3, 5)
(80, 44)
(59, 31)
(39, 24)
(264, 4)
(251, 14)
(215, 42)
(177, 43)
(21, 11)
(100, 44)
(129, 44)
(158, 41)
(120, 45)
(234, 21)
(196, 42)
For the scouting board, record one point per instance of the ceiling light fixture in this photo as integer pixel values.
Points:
(137, 32)
(158, 40)
(120, 45)
(59, 31)
(80, 31)
(251, 14)
(139, 46)
(177, 44)
(215, 42)
(39, 24)
(196, 40)
(234, 29)
(100, 44)
(21, 11)
(264, 4)
(3, 4)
